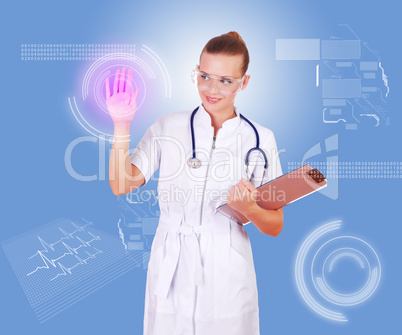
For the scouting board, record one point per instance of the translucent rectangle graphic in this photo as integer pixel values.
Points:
(355, 169)
(72, 51)
(369, 75)
(343, 64)
(341, 88)
(335, 111)
(149, 226)
(135, 246)
(351, 126)
(134, 225)
(334, 102)
(64, 261)
(369, 89)
(343, 49)
(297, 49)
(368, 66)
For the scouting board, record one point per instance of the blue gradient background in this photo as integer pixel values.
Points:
(37, 127)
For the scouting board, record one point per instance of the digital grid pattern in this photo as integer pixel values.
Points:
(64, 261)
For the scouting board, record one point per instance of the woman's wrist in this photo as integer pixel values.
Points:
(121, 133)
(122, 128)
(251, 210)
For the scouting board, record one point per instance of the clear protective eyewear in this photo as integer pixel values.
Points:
(224, 85)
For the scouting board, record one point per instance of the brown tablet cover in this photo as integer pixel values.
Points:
(282, 191)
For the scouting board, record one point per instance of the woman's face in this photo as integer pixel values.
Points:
(222, 66)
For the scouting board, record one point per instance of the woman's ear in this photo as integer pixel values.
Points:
(245, 82)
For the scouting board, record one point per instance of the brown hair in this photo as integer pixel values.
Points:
(229, 44)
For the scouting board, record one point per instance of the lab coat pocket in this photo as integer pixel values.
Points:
(241, 254)
(235, 290)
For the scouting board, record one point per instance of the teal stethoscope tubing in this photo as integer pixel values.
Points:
(257, 146)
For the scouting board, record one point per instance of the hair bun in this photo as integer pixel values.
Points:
(235, 35)
(229, 44)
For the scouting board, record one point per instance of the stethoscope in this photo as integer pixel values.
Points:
(196, 163)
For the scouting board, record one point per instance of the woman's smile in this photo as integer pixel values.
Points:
(212, 100)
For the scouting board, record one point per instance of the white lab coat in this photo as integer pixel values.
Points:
(201, 277)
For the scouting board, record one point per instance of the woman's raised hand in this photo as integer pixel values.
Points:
(122, 105)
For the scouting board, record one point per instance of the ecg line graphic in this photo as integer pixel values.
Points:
(62, 262)
(71, 251)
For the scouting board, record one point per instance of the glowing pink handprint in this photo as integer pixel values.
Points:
(122, 105)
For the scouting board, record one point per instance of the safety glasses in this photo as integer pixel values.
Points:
(224, 85)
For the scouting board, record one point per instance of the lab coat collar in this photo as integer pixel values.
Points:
(228, 125)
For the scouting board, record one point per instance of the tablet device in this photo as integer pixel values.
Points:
(282, 191)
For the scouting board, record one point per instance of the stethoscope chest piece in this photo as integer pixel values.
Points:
(194, 163)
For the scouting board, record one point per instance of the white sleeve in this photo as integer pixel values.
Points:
(274, 169)
(147, 155)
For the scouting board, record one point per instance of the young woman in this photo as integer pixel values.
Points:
(201, 277)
